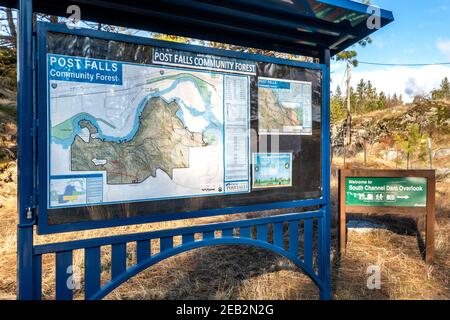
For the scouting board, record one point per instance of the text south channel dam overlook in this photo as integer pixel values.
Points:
(385, 188)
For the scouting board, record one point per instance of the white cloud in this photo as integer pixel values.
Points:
(401, 80)
(444, 47)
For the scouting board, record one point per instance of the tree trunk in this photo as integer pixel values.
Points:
(365, 153)
(8, 38)
(407, 161)
(331, 153)
(349, 117)
(430, 153)
(344, 146)
(11, 25)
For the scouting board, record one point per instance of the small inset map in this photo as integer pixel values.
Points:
(272, 170)
(67, 192)
(284, 107)
(75, 190)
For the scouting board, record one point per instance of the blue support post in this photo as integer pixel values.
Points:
(325, 293)
(308, 244)
(25, 112)
(64, 272)
(92, 271)
(118, 259)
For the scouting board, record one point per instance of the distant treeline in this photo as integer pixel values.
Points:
(365, 98)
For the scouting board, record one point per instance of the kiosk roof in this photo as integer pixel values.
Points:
(295, 26)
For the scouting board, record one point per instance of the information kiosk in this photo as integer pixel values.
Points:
(117, 130)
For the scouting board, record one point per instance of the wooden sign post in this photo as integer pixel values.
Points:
(388, 191)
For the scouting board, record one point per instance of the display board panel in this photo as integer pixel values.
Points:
(137, 128)
(154, 132)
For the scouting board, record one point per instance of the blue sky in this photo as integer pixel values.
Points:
(419, 34)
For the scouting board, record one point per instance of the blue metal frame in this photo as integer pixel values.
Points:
(43, 226)
(206, 236)
(25, 175)
(30, 256)
(326, 171)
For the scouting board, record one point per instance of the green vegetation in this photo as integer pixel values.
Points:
(365, 98)
(412, 141)
(443, 92)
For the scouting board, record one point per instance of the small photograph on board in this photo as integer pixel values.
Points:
(272, 170)
(284, 107)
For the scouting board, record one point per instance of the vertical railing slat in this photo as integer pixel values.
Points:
(186, 238)
(278, 234)
(64, 270)
(293, 238)
(166, 243)
(37, 277)
(320, 247)
(208, 235)
(143, 250)
(227, 232)
(308, 243)
(118, 259)
(245, 232)
(261, 232)
(92, 270)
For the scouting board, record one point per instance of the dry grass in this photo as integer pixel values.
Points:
(221, 272)
(239, 272)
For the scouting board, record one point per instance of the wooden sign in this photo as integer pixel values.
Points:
(388, 191)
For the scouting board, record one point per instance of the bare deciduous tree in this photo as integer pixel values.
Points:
(8, 33)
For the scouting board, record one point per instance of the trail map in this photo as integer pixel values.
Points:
(284, 107)
(121, 132)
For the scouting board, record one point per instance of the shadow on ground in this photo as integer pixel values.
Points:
(220, 272)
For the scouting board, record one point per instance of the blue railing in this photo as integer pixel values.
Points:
(280, 234)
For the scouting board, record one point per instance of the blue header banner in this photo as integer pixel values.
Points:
(78, 69)
(273, 84)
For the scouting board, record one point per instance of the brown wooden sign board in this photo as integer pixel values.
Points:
(369, 191)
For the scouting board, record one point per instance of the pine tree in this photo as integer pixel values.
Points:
(412, 141)
(382, 101)
(361, 97)
(443, 92)
(337, 106)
